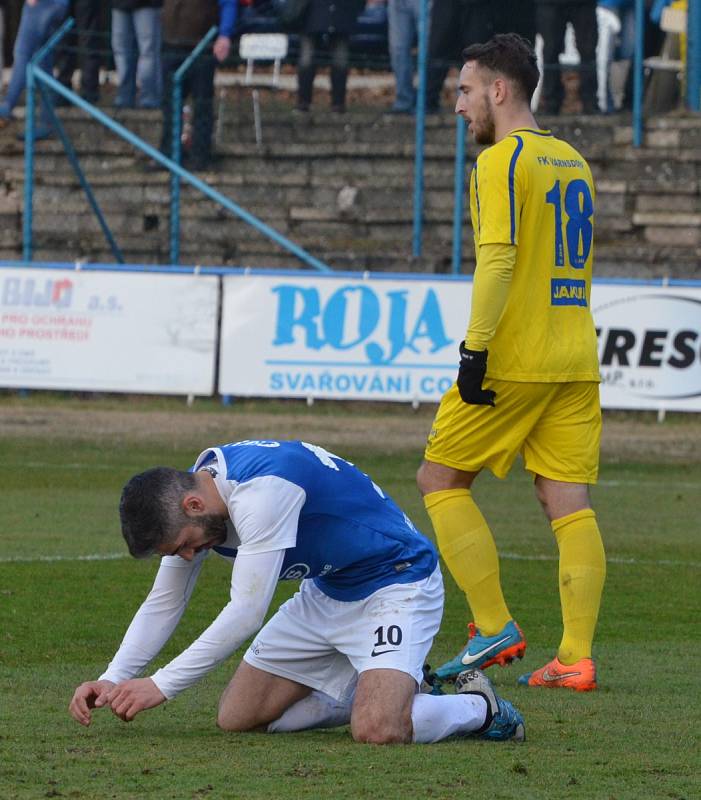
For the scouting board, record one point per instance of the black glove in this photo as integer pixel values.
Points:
(473, 366)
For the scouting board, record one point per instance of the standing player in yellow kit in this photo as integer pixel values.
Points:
(528, 376)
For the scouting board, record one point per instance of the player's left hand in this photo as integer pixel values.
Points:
(222, 48)
(128, 698)
(473, 368)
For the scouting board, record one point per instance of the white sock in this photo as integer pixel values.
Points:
(316, 710)
(436, 717)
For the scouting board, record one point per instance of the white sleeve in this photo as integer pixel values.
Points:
(157, 618)
(265, 512)
(253, 582)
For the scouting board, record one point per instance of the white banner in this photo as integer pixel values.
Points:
(649, 346)
(341, 337)
(397, 339)
(107, 331)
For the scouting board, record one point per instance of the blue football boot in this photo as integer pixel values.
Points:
(481, 651)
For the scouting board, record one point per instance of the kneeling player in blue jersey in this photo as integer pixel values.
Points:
(347, 648)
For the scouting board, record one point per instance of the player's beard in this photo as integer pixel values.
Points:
(213, 527)
(483, 127)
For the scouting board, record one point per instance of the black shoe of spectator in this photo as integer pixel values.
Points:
(302, 108)
(338, 109)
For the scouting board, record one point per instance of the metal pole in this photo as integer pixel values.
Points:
(638, 73)
(420, 127)
(73, 158)
(27, 219)
(459, 192)
(176, 144)
(693, 55)
(28, 215)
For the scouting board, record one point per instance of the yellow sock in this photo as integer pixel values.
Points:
(582, 574)
(468, 548)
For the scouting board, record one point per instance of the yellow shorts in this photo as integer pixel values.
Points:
(555, 426)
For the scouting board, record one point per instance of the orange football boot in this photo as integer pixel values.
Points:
(555, 675)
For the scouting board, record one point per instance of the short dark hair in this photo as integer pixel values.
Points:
(511, 56)
(150, 508)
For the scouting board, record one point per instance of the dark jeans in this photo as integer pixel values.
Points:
(551, 20)
(199, 85)
(455, 24)
(83, 49)
(306, 67)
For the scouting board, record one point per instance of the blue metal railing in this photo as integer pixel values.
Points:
(458, 192)
(693, 64)
(29, 134)
(36, 75)
(176, 152)
(638, 73)
(693, 55)
(422, 66)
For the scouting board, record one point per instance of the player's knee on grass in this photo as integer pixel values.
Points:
(376, 727)
(382, 707)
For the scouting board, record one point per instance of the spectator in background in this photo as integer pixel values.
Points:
(455, 24)
(403, 26)
(136, 44)
(40, 18)
(552, 17)
(327, 22)
(3, 9)
(185, 22)
(83, 49)
(515, 16)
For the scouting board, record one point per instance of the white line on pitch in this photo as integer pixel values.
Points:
(652, 482)
(45, 559)
(507, 556)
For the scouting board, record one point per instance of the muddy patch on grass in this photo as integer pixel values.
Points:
(625, 438)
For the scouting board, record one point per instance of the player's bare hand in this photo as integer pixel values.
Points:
(222, 48)
(128, 698)
(91, 694)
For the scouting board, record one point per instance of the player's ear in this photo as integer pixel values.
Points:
(499, 90)
(192, 504)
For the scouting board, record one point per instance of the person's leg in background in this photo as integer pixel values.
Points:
(171, 59)
(340, 55)
(66, 56)
(306, 71)
(515, 16)
(402, 26)
(37, 24)
(442, 44)
(202, 91)
(147, 26)
(90, 46)
(583, 19)
(124, 50)
(551, 23)
(2, 45)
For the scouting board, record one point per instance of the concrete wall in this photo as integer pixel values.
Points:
(341, 186)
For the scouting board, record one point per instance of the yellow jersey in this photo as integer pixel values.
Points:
(536, 192)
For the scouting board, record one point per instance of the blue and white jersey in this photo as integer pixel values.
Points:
(337, 526)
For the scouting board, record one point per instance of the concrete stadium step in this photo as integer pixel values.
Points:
(342, 187)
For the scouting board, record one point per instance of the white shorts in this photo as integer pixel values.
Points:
(325, 643)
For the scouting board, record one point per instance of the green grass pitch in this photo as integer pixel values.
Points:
(61, 620)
